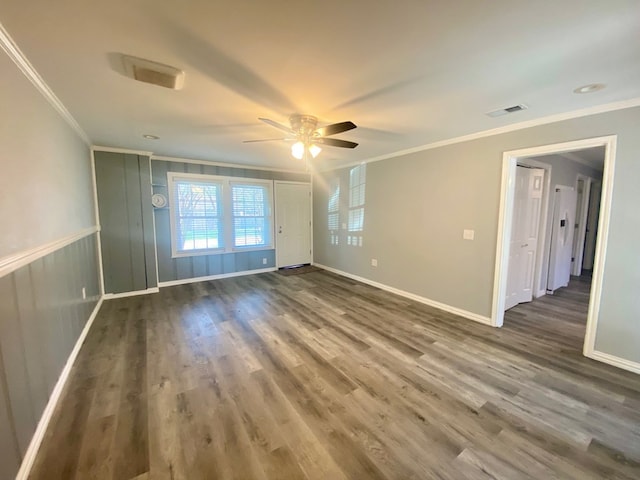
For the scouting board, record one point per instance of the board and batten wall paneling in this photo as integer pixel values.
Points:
(184, 268)
(42, 314)
(9, 453)
(126, 219)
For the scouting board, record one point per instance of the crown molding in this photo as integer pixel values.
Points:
(16, 55)
(559, 117)
(221, 164)
(99, 148)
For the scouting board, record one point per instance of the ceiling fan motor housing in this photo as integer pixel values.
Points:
(303, 125)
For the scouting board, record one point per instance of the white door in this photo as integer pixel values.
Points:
(525, 228)
(582, 206)
(592, 225)
(564, 217)
(293, 224)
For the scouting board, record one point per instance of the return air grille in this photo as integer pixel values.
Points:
(504, 111)
(153, 72)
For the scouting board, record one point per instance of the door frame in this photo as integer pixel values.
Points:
(509, 161)
(275, 206)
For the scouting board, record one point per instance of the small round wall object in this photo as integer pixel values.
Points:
(158, 200)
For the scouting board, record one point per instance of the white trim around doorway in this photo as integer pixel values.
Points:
(509, 161)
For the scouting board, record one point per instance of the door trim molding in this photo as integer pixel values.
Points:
(509, 161)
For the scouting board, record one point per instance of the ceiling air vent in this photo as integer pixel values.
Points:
(504, 111)
(153, 72)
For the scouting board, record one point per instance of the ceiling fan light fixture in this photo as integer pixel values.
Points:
(297, 150)
(314, 150)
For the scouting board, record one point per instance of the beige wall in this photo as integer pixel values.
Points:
(45, 181)
(417, 206)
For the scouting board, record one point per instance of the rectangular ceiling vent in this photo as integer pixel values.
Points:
(504, 111)
(153, 72)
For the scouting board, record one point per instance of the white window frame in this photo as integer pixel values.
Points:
(357, 201)
(226, 224)
(333, 211)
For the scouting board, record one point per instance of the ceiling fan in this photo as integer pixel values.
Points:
(307, 136)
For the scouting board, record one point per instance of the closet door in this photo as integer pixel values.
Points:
(126, 221)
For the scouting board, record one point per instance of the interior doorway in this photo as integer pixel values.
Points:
(510, 161)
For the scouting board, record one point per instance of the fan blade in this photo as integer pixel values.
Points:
(334, 142)
(335, 128)
(268, 140)
(277, 125)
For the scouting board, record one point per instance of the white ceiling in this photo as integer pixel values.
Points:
(407, 72)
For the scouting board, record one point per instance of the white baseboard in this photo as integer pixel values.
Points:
(36, 440)
(427, 301)
(109, 296)
(613, 360)
(215, 277)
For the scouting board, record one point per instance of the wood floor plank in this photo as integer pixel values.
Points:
(317, 376)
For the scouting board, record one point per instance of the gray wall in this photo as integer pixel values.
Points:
(45, 185)
(170, 269)
(45, 195)
(123, 183)
(41, 316)
(417, 206)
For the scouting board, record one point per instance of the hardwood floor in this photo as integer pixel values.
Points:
(319, 377)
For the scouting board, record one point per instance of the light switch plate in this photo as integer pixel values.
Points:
(468, 234)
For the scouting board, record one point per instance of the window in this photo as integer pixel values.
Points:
(333, 212)
(357, 182)
(211, 214)
(251, 215)
(197, 215)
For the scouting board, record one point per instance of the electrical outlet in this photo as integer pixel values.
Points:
(84, 293)
(468, 234)
(264, 261)
(374, 262)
